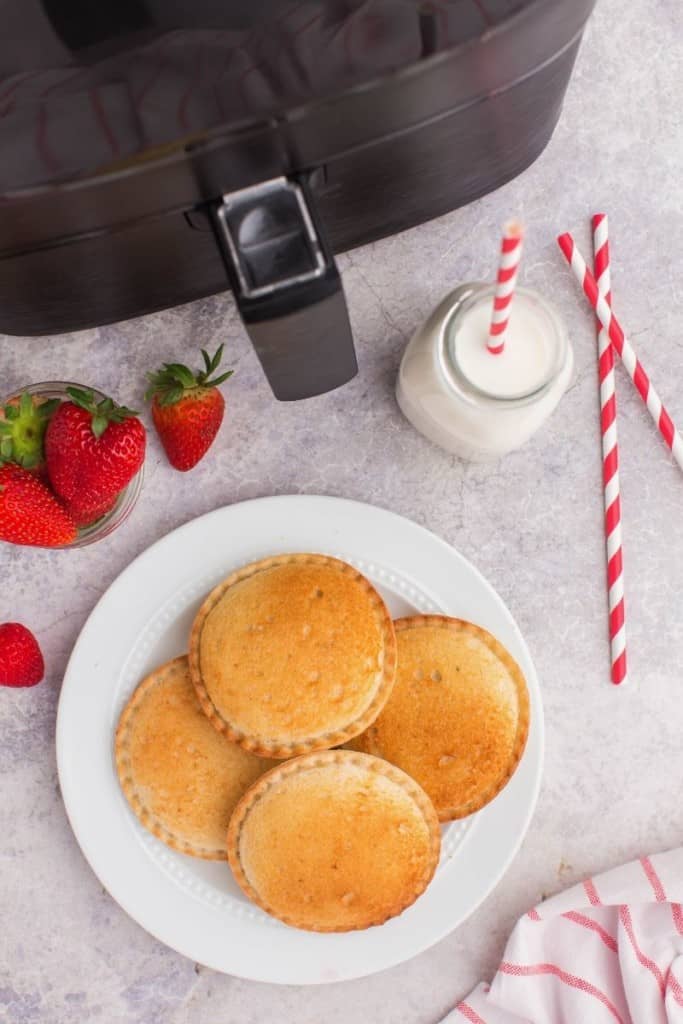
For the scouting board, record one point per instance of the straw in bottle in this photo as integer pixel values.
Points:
(508, 269)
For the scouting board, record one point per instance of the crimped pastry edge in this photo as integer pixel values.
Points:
(314, 760)
(456, 812)
(281, 749)
(127, 782)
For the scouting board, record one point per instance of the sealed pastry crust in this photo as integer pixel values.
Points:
(181, 777)
(334, 841)
(458, 717)
(292, 654)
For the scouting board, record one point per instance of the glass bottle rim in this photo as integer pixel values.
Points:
(465, 298)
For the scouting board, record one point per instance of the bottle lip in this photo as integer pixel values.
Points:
(463, 299)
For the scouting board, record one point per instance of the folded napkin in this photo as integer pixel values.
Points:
(607, 951)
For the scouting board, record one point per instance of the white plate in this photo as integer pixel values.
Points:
(144, 618)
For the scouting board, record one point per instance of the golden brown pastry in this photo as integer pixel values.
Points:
(293, 654)
(458, 717)
(181, 777)
(334, 841)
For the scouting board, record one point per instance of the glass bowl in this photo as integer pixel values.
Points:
(126, 500)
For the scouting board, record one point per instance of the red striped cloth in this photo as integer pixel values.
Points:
(607, 951)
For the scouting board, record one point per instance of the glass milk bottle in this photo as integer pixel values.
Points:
(469, 401)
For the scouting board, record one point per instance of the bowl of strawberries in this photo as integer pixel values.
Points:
(71, 465)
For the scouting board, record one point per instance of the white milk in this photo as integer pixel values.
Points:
(469, 401)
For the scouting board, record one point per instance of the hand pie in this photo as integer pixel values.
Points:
(293, 654)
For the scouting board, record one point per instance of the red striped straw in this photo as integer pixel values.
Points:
(508, 268)
(610, 461)
(632, 364)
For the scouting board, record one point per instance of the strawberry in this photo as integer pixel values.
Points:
(21, 663)
(187, 409)
(23, 421)
(93, 450)
(30, 513)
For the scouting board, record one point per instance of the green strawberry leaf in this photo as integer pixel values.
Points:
(121, 413)
(168, 385)
(11, 412)
(180, 374)
(32, 459)
(171, 396)
(219, 380)
(99, 425)
(211, 364)
(83, 399)
(47, 409)
(216, 361)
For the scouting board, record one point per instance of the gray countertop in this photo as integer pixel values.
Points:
(532, 523)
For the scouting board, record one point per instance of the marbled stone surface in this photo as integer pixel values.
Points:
(531, 523)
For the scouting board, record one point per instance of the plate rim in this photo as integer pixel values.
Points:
(532, 794)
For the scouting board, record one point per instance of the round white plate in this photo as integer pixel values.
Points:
(144, 619)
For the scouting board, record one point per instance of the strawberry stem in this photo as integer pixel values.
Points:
(169, 384)
(23, 422)
(103, 413)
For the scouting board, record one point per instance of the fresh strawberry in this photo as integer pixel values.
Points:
(93, 450)
(23, 421)
(21, 663)
(30, 513)
(187, 409)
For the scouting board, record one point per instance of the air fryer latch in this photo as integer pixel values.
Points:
(287, 286)
(271, 237)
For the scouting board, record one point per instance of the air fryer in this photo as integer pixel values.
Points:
(157, 151)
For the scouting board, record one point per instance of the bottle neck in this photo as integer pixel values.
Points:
(533, 357)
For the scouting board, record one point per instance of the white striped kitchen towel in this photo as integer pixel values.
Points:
(607, 951)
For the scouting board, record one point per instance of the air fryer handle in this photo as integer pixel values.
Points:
(287, 287)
